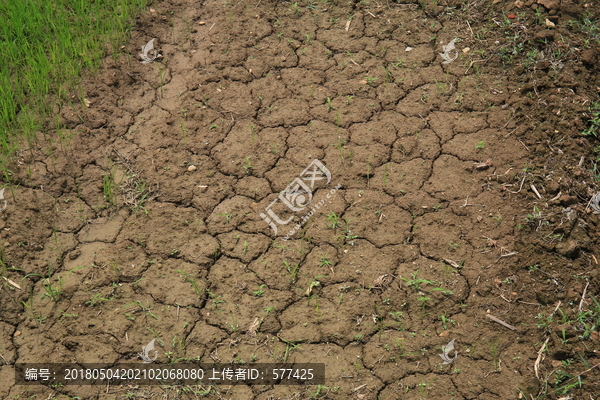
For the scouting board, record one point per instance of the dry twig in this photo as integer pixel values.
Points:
(452, 263)
(253, 327)
(583, 296)
(536, 365)
(506, 325)
(11, 282)
(134, 191)
(536, 191)
(505, 253)
(483, 165)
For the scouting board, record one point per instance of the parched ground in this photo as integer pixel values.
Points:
(457, 191)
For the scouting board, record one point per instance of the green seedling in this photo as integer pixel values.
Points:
(495, 353)
(247, 166)
(340, 147)
(333, 219)
(190, 279)
(259, 292)
(325, 262)
(289, 346)
(292, 270)
(98, 297)
(415, 282)
(423, 300)
(398, 64)
(445, 320)
(227, 216)
(110, 189)
(594, 121)
(386, 172)
(234, 324)
(329, 104)
(537, 213)
(314, 283)
(30, 308)
(53, 292)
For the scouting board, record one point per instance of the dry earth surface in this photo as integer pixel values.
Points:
(142, 220)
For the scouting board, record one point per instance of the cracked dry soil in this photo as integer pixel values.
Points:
(143, 220)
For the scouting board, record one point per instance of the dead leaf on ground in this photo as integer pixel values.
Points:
(253, 327)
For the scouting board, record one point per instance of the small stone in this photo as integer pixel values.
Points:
(519, 4)
(363, 82)
(553, 187)
(565, 331)
(201, 22)
(589, 58)
(569, 249)
(566, 200)
(6, 244)
(152, 10)
(549, 4)
(192, 168)
(556, 363)
(17, 333)
(550, 24)
(466, 49)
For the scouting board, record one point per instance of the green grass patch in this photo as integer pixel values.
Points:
(44, 45)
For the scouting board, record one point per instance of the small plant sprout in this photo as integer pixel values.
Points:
(594, 121)
(333, 219)
(227, 216)
(314, 283)
(247, 165)
(259, 292)
(53, 292)
(292, 269)
(330, 104)
(325, 262)
(445, 321)
(480, 145)
(423, 300)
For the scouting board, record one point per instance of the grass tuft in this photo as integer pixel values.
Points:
(44, 45)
